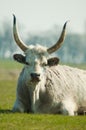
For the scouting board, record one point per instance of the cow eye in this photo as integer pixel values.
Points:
(44, 64)
(27, 63)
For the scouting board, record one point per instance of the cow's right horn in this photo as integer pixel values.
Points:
(16, 36)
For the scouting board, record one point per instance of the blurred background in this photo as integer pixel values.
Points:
(41, 22)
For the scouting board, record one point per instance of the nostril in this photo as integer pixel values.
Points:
(38, 75)
(31, 74)
(34, 75)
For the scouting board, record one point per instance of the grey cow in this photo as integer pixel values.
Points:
(44, 86)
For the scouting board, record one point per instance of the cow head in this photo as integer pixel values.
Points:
(36, 58)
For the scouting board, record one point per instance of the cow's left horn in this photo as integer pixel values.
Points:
(59, 42)
(16, 36)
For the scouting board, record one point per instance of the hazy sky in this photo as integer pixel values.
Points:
(38, 15)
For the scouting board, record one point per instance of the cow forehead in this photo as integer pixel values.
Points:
(36, 52)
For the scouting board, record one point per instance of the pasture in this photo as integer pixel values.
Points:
(9, 72)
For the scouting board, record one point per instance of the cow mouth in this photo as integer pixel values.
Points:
(35, 80)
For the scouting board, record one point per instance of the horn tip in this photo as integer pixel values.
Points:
(14, 19)
(66, 23)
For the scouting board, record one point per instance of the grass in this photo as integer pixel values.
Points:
(9, 64)
(41, 122)
(9, 72)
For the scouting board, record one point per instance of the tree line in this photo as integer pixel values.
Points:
(72, 51)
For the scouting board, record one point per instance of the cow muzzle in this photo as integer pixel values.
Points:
(35, 77)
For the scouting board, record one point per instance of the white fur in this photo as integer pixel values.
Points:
(61, 89)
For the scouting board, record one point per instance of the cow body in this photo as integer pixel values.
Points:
(43, 85)
(61, 89)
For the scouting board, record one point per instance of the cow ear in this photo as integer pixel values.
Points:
(53, 61)
(20, 58)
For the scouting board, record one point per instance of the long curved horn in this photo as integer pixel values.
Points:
(59, 42)
(16, 36)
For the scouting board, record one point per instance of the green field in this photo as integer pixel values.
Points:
(9, 72)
